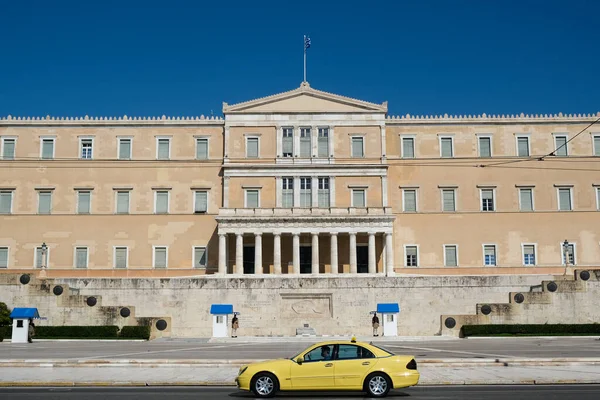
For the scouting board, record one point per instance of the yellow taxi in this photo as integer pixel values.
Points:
(335, 365)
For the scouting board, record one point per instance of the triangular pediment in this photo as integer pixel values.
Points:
(304, 100)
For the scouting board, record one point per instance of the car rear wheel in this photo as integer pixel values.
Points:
(378, 385)
(264, 385)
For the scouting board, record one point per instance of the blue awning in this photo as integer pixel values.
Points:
(24, 313)
(221, 309)
(388, 308)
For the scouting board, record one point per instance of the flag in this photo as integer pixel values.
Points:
(306, 42)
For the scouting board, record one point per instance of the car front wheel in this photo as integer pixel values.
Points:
(378, 385)
(264, 385)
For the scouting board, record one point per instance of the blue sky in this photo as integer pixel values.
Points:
(108, 57)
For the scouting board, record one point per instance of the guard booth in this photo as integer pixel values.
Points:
(220, 314)
(20, 327)
(389, 318)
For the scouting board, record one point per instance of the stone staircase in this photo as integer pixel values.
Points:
(27, 290)
(567, 299)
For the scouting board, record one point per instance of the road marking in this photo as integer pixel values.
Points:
(152, 352)
(451, 351)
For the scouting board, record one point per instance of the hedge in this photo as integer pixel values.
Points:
(5, 332)
(77, 332)
(532, 329)
(135, 332)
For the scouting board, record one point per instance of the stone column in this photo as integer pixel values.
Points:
(372, 258)
(353, 269)
(389, 249)
(315, 253)
(277, 254)
(258, 266)
(296, 253)
(334, 253)
(239, 253)
(222, 254)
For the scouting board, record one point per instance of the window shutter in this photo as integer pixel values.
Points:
(564, 196)
(200, 257)
(84, 203)
(122, 202)
(201, 202)
(447, 147)
(201, 149)
(160, 257)
(252, 147)
(162, 202)
(3, 257)
(5, 202)
(487, 194)
(81, 257)
(324, 198)
(288, 145)
(47, 149)
(163, 149)
(449, 204)
(597, 145)
(485, 148)
(411, 251)
(408, 148)
(450, 256)
(121, 257)
(287, 198)
(8, 152)
(305, 198)
(323, 147)
(45, 200)
(561, 146)
(38, 257)
(358, 198)
(523, 147)
(410, 200)
(357, 147)
(252, 198)
(124, 149)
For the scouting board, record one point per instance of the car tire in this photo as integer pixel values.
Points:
(264, 385)
(378, 385)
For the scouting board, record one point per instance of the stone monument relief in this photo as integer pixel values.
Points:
(298, 306)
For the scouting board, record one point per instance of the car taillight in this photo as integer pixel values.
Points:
(412, 364)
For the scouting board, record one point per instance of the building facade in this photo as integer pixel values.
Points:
(301, 182)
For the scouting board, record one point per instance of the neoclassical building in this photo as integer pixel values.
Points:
(301, 182)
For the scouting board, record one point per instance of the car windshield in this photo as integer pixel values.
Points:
(300, 352)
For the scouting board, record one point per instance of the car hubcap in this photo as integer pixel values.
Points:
(264, 385)
(378, 385)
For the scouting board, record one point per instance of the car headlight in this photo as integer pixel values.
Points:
(242, 369)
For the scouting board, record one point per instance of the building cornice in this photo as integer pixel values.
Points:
(491, 119)
(111, 121)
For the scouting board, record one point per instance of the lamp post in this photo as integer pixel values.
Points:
(565, 247)
(44, 255)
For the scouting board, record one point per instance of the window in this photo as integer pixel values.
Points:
(6, 201)
(252, 147)
(357, 147)
(323, 142)
(528, 254)
(288, 142)
(121, 258)
(560, 146)
(487, 200)
(450, 255)
(47, 150)
(86, 146)
(522, 146)
(8, 148)
(122, 202)
(324, 192)
(448, 200)
(200, 201)
(163, 148)
(321, 353)
(597, 198)
(81, 257)
(305, 191)
(42, 260)
(124, 149)
(200, 257)
(252, 198)
(564, 199)
(571, 251)
(408, 147)
(161, 202)
(412, 256)
(83, 201)
(409, 200)
(287, 193)
(489, 254)
(359, 198)
(305, 142)
(3, 257)
(597, 145)
(44, 202)
(485, 146)
(446, 147)
(160, 257)
(526, 199)
(352, 352)
(201, 148)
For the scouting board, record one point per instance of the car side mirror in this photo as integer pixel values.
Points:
(300, 360)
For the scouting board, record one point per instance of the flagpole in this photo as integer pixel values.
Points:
(304, 45)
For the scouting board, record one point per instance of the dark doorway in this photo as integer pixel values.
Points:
(248, 259)
(362, 259)
(305, 259)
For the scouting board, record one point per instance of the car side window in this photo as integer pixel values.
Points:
(351, 352)
(321, 353)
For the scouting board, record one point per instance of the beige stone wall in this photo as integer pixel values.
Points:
(266, 142)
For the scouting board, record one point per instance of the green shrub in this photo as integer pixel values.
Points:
(135, 332)
(77, 332)
(5, 332)
(532, 329)
(4, 315)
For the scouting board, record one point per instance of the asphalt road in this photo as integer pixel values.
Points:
(464, 348)
(579, 392)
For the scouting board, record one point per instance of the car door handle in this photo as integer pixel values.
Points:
(366, 363)
(329, 365)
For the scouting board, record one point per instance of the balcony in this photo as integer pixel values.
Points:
(306, 212)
